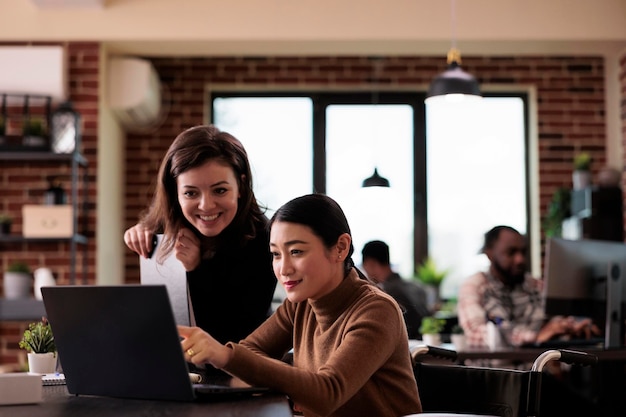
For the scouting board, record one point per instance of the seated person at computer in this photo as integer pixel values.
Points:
(205, 207)
(508, 296)
(347, 361)
(410, 296)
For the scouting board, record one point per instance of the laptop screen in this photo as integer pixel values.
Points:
(118, 341)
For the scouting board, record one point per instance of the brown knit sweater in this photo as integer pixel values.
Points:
(351, 354)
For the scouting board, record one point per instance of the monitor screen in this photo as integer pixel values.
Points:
(588, 278)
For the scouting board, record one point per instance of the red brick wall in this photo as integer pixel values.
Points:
(24, 182)
(570, 93)
(570, 114)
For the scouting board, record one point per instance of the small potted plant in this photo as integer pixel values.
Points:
(33, 132)
(431, 277)
(5, 223)
(581, 176)
(431, 329)
(17, 281)
(38, 341)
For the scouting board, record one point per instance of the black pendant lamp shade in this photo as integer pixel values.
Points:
(375, 180)
(454, 80)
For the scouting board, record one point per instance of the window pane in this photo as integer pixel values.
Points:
(277, 134)
(476, 179)
(358, 139)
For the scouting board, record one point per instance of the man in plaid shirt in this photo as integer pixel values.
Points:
(509, 297)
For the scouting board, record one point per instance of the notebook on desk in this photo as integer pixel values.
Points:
(121, 341)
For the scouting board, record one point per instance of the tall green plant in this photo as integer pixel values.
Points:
(558, 210)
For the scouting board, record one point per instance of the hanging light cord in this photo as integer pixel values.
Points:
(454, 55)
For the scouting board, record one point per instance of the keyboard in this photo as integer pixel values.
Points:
(567, 343)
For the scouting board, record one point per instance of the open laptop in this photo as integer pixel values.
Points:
(172, 274)
(122, 341)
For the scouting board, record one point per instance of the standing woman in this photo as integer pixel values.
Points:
(206, 209)
(351, 356)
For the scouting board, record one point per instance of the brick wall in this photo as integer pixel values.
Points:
(24, 182)
(570, 104)
(570, 113)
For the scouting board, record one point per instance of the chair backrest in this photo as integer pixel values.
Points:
(472, 390)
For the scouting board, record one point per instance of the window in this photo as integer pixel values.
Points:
(475, 178)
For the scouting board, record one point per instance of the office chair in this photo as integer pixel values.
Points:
(447, 389)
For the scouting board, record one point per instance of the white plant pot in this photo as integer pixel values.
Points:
(42, 363)
(581, 179)
(17, 285)
(459, 341)
(432, 339)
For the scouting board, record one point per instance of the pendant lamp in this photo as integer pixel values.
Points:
(454, 83)
(376, 180)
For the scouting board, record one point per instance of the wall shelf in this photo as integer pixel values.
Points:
(78, 162)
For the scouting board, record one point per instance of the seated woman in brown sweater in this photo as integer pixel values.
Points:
(350, 350)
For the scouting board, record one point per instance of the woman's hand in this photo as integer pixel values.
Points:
(139, 239)
(200, 348)
(187, 249)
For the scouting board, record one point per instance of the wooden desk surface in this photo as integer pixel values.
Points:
(57, 402)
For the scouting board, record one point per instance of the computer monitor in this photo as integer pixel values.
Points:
(588, 278)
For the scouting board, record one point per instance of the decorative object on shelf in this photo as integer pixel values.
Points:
(38, 341)
(54, 221)
(17, 281)
(65, 132)
(609, 177)
(26, 121)
(454, 83)
(431, 328)
(34, 132)
(55, 194)
(457, 337)
(431, 276)
(5, 223)
(43, 278)
(559, 209)
(581, 177)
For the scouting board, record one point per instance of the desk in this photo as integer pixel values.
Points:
(57, 402)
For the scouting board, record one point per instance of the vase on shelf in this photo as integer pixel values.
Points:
(581, 179)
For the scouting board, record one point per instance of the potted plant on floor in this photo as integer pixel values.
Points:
(38, 341)
(431, 329)
(17, 281)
